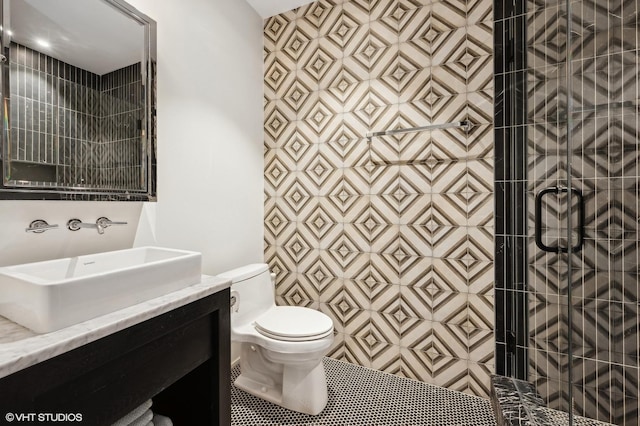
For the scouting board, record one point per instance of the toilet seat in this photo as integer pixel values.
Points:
(294, 324)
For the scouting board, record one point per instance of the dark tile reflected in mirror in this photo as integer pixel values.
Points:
(72, 130)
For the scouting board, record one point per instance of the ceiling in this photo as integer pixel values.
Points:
(77, 34)
(88, 34)
(268, 8)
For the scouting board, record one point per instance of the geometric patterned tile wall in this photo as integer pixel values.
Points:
(604, 166)
(392, 238)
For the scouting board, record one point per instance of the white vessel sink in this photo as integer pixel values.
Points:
(50, 295)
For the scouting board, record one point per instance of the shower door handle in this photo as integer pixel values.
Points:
(538, 219)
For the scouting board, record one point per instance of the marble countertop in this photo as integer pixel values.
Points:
(21, 348)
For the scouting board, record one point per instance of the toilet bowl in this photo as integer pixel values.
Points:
(281, 347)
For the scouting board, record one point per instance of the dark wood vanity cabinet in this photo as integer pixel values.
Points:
(181, 359)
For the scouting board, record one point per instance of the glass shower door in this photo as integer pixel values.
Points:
(582, 195)
(567, 209)
(549, 200)
(603, 162)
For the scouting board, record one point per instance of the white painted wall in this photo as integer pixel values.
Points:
(210, 145)
(268, 8)
(210, 150)
(18, 246)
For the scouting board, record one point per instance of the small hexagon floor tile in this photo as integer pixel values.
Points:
(359, 396)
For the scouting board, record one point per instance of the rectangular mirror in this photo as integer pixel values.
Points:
(78, 91)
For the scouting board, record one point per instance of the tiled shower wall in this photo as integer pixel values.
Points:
(392, 238)
(121, 113)
(53, 117)
(604, 154)
(72, 126)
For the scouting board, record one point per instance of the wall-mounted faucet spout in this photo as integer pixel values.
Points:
(77, 224)
(100, 225)
(103, 223)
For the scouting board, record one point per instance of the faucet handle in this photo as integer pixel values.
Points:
(104, 222)
(38, 226)
(77, 224)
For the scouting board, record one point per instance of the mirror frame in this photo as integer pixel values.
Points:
(32, 191)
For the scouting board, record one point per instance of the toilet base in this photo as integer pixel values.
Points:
(297, 387)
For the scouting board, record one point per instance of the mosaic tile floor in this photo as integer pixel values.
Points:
(359, 396)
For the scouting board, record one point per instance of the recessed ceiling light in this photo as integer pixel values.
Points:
(10, 32)
(43, 43)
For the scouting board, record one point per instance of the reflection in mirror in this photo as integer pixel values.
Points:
(78, 104)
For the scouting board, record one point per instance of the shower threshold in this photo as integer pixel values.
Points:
(516, 403)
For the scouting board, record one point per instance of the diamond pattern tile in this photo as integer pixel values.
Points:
(391, 237)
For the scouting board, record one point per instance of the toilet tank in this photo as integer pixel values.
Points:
(254, 291)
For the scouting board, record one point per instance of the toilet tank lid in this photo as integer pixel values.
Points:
(244, 272)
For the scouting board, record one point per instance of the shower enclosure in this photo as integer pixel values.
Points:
(567, 212)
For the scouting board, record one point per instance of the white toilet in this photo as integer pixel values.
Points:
(281, 346)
